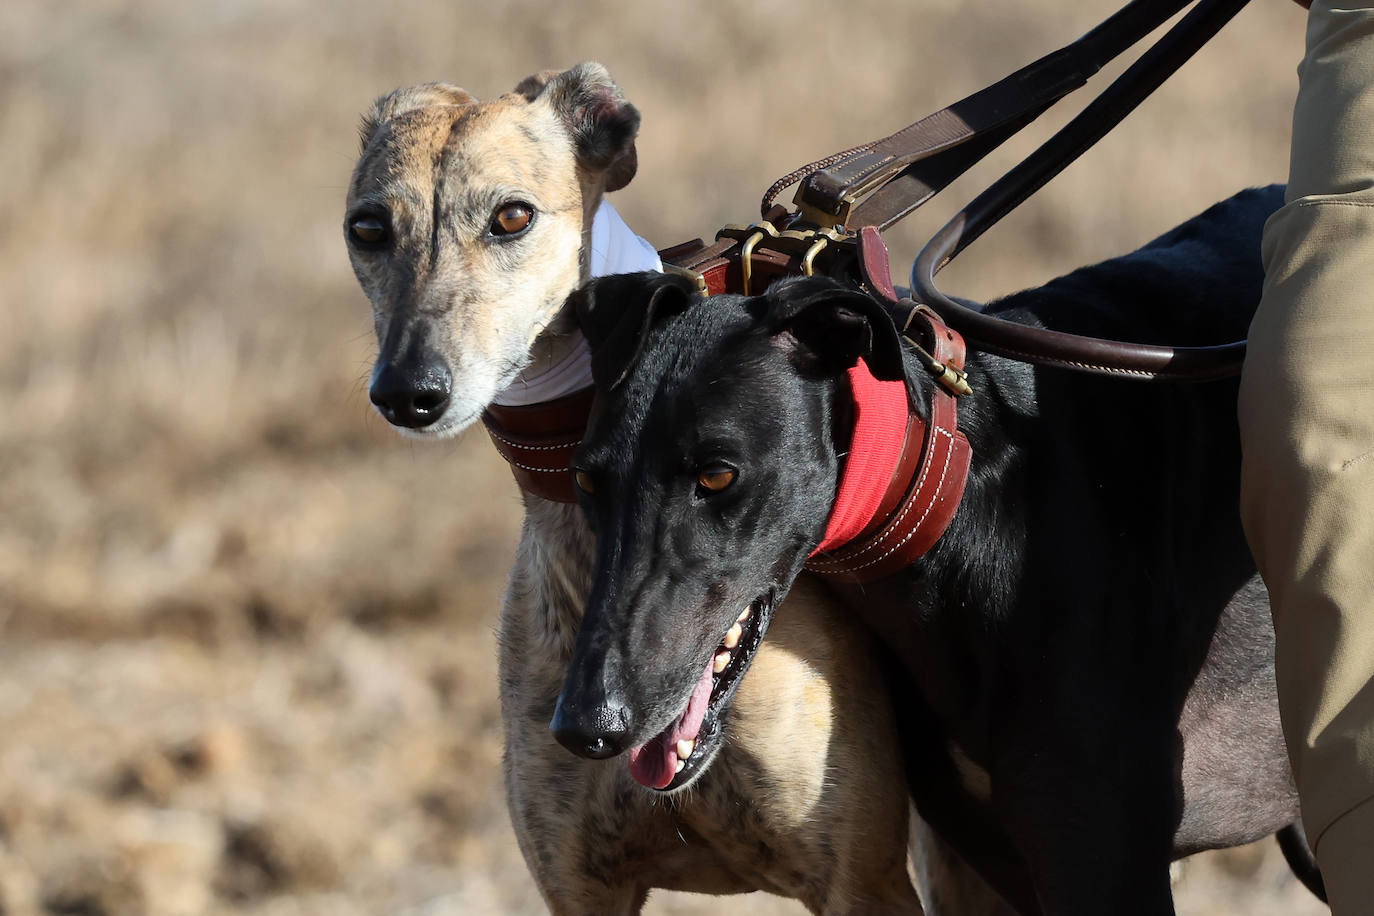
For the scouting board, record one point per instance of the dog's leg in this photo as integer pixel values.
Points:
(571, 834)
(1083, 781)
(949, 885)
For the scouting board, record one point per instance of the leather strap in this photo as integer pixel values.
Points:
(878, 183)
(874, 265)
(924, 493)
(538, 442)
(1056, 348)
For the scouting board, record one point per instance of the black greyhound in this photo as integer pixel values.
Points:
(1084, 660)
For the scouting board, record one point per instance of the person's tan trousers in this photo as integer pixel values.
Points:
(1307, 431)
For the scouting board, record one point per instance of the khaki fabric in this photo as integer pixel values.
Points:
(1307, 431)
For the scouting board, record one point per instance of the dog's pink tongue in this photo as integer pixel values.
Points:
(654, 763)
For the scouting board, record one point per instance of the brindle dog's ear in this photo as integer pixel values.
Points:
(602, 123)
(828, 326)
(617, 313)
(400, 101)
(532, 85)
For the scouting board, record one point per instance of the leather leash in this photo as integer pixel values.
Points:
(1056, 348)
(878, 183)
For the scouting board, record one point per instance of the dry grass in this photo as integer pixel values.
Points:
(247, 654)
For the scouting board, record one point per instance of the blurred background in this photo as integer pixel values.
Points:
(246, 632)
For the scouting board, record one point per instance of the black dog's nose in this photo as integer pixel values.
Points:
(595, 733)
(411, 397)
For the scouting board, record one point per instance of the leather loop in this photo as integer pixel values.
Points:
(873, 263)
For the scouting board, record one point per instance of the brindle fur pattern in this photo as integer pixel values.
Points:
(436, 165)
(806, 798)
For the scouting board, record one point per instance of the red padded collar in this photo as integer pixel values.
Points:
(880, 423)
(893, 506)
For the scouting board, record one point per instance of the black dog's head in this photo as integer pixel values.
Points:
(708, 477)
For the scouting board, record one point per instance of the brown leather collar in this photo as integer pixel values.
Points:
(925, 489)
(538, 442)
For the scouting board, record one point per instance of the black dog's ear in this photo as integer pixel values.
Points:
(829, 326)
(602, 123)
(617, 312)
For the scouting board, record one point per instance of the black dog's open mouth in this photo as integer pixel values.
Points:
(682, 751)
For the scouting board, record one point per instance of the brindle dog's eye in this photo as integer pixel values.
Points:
(584, 481)
(511, 219)
(715, 478)
(368, 230)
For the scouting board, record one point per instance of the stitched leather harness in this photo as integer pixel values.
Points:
(845, 200)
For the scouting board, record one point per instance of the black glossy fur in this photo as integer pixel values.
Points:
(1085, 659)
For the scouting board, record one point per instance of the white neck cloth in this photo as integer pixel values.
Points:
(615, 249)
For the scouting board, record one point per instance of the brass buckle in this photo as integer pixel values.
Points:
(808, 262)
(954, 380)
(839, 217)
(808, 244)
(692, 275)
(749, 236)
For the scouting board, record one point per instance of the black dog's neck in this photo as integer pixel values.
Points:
(928, 612)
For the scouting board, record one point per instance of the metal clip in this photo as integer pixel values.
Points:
(808, 259)
(952, 379)
(746, 260)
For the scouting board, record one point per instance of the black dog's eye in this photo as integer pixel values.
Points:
(716, 477)
(512, 219)
(584, 481)
(369, 231)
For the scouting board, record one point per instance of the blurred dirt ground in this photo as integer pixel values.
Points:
(246, 650)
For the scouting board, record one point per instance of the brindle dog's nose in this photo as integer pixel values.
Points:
(595, 733)
(412, 396)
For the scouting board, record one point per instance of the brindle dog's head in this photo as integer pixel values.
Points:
(708, 476)
(466, 224)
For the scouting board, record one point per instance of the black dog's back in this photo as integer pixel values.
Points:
(1195, 285)
(1130, 505)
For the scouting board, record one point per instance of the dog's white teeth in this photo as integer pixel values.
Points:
(744, 614)
(678, 769)
(720, 661)
(732, 635)
(685, 748)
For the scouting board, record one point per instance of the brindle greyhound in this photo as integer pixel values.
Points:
(468, 225)
(1090, 651)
